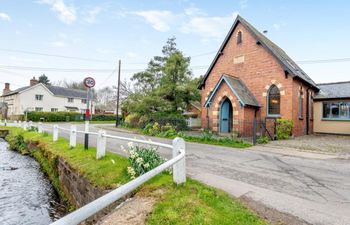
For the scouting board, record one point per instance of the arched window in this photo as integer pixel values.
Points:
(239, 37)
(273, 101)
(300, 104)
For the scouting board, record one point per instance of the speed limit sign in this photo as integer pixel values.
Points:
(89, 82)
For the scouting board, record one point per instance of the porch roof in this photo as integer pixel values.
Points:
(238, 88)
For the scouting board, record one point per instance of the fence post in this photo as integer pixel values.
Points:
(55, 133)
(25, 125)
(30, 124)
(73, 136)
(101, 144)
(40, 127)
(5, 122)
(254, 131)
(179, 168)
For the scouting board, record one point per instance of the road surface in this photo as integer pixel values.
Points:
(316, 191)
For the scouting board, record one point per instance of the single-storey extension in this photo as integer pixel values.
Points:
(332, 108)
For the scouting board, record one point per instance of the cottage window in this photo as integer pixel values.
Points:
(38, 109)
(239, 37)
(70, 99)
(39, 97)
(336, 110)
(54, 109)
(300, 105)
(273, 101)
(83, 101)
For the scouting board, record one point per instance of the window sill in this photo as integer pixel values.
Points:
(335, 119)
(301, 118)
(273, 116)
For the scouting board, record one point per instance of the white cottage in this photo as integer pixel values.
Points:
(43, 98)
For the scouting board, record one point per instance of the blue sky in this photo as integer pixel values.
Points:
(134, 31)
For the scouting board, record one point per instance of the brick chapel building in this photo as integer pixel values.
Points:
(251, 77)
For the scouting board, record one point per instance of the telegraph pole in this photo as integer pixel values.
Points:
(118, 92)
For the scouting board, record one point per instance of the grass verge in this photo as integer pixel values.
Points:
(221, 141)
(190, 203)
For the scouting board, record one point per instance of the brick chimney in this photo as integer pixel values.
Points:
(6, 89)
(33, 81)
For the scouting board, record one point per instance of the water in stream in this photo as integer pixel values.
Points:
(26, 195)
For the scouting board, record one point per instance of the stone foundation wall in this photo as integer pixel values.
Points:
(77, 189)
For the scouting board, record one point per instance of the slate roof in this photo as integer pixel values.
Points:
(337, 90)
(56, 90)
(67, 92)
(286, 62)
(237, 86)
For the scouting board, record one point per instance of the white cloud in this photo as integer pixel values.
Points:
(66, 13)
(58, 44)
(90, 15)
(159, 20)
(4, 16)
(208, 26)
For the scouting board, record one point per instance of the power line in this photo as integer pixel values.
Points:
(53, 55)
(315, 61)
(88, 70)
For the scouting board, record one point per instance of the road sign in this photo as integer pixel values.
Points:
(89, 82)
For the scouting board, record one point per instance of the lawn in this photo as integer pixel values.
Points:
(190, 203)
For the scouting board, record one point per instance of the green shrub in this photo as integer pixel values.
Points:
(262, 140)
(169, 131)
(55, 116)
(103, 117)
(17, 142)
(132, 120)
(207, 136)
(284, 128)
(32, 128)
(152, 129)
(142, 159)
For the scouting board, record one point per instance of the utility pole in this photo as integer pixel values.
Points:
(118, 92)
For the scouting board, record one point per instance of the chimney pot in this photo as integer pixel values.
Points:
(6, 89)
(33, 81)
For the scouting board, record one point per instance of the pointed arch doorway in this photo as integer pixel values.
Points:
(226, 116)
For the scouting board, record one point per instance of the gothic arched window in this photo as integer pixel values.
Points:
(273, 101)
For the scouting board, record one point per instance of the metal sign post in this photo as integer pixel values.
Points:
(89, 83)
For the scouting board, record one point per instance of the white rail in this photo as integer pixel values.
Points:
(177, 162)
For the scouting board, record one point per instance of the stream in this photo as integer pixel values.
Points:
(26, 195)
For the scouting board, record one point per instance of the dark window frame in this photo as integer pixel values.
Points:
(336, 110)
(239, 37)
(39, 97)
(273, 94)
(301, 105)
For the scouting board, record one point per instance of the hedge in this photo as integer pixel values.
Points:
(65, 116)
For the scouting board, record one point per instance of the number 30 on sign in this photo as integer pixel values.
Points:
(89, 82)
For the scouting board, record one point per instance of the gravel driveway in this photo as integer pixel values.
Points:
(329, 144)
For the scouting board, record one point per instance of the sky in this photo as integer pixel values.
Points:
(90, 36)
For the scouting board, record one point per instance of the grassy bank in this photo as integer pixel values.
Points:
(204, 138)
(191, 203)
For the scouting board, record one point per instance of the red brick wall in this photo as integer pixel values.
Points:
(258, 71)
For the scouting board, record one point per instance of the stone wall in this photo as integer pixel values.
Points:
(77, 189)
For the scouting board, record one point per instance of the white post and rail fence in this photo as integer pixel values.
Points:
(177, 162)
